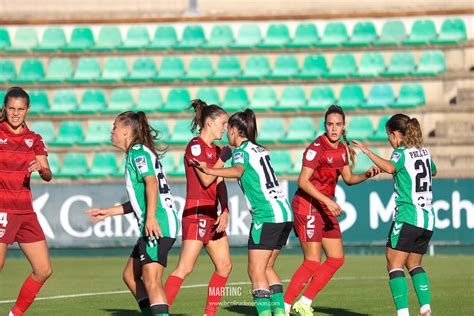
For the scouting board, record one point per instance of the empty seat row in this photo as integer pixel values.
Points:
(257, 67)
(165, 37)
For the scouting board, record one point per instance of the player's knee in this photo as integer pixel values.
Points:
(43, 274)
(184, 270)
(335, 263)
(224, 268)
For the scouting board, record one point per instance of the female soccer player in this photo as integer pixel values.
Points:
(153, 206)
(413, 223)
(271, 212)
(316, 223)
(22, 152)
(202, 225)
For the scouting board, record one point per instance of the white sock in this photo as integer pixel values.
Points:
(403, 312)
(306, 300)
(287, 308)
(425, 308)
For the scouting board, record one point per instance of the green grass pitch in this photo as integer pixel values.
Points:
(359, 288)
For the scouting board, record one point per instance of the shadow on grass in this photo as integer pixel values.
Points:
(241, 309)
(337, 311)
(130, 312)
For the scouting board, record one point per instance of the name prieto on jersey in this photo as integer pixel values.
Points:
(419, 154)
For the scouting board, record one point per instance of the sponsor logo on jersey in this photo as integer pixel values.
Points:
(344, 157)
(3, 141)
(29, 142)
(395, 156)
(239, 157)
(209, 155)
(310, 154)
(202, 232)
(310, 233)
(196, 150)
(329, 159)
(141, 164)
(317, 144)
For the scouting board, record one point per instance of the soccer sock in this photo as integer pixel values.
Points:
(421, 285)
(399, 288)
(276, 298)
(144, 304)
(299, 280)
(215, 291)
(172, 286)
(262, 302)
(28, 292)
(320, 279)
(159, 310)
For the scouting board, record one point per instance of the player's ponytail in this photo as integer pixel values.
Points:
(246, 124)
(336, 109)
(409, 128)
(13, 92)
(202, 112)
(352, 152)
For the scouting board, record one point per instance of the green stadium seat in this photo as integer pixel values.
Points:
(432, 63)
(74, 166)
(121, 100)
(321, 97)
(264, 99)
(300, 130)
(82, 39)
(286, 66)
(93, 101)
(401, 64)
(143, 69)
(178, 100)
(209, 95)
(165, 38)
(271, 130)
(69, 133)
(149, 100)
(281, 161)
(167, 161)
(256, 68)
(115, 70)
(411, 95)
(292, 98)
(380, 134)
(172, 68)
(249, 36)
(87, 70)
(422, 33)
(342, 66)
(181, 133)
(380, 97)
(334, 35)
(393, 33)
(25, 39)
(306, 35)
(371, 65)
(39, 102)
(45, 129)
(7, 70)
(64, 102)
(31, 71)
(2, 95)
(161, 126)
(221, 37)
(321, 127)
(109, 39)
(235, 99)
(363, 162)
(228, 68)
(137, 38)
(193, 38)
(360, 128)
(453, 31)
(98, 133)
(200, 68)
(59, 70)
(53, 40)
(296, 169)
(180, 170)
(364, 34)
(314, 66)
(53, 161)
(5, 41)
(351, 97)
(104, 164)
(121, 168)
(277, 36)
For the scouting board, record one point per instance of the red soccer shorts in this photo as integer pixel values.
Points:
(315, 227)
(22, 228)
(201, 229)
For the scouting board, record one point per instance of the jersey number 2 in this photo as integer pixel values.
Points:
(424, 169)
(270, 178)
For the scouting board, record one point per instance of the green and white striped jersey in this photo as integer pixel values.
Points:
(267, 202)
(413, 186)
(141, 162)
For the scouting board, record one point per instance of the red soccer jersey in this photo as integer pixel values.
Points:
(327, 163)
(16, 152)
(200, 201)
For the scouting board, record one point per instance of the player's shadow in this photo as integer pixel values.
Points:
(337, 311)
(242, 309)
(129, 312)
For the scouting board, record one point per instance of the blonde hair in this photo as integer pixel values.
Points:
(410, 129)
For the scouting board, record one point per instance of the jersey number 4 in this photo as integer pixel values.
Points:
(3, 219)
(424, 169)
(270, 178)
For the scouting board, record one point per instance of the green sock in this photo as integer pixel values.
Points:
(277, 300)
(146, 311)
(399, 288)
(262, 302)
(421, 285)
(144, 305)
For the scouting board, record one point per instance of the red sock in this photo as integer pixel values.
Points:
(299, 279)
(215, 291)
(172, 285)
(320, 279)
(27, 295)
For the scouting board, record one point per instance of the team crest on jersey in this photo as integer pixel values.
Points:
(310, 233)
(29, 142)
(196, 150)
(395, 156)
(141, 164)
(3, 141)
(202, 232)
(2, 232)
(344, 157)
(239, 157)
(310, 154)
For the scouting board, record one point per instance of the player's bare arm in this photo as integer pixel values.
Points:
(231, 172)
(41, 165)
(223, 219)
(152, 228)
(384, 164)
(356, 178)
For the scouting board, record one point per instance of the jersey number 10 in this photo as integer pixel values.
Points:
(270, 178)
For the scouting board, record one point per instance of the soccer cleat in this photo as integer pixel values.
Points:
(302, 309)
(10, 313)
(426, 313)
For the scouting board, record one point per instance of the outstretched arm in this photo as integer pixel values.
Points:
(356, 178)
(380, 162)
(235, 171)
(98, 214)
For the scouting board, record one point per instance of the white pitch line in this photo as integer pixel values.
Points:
(191, 286)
